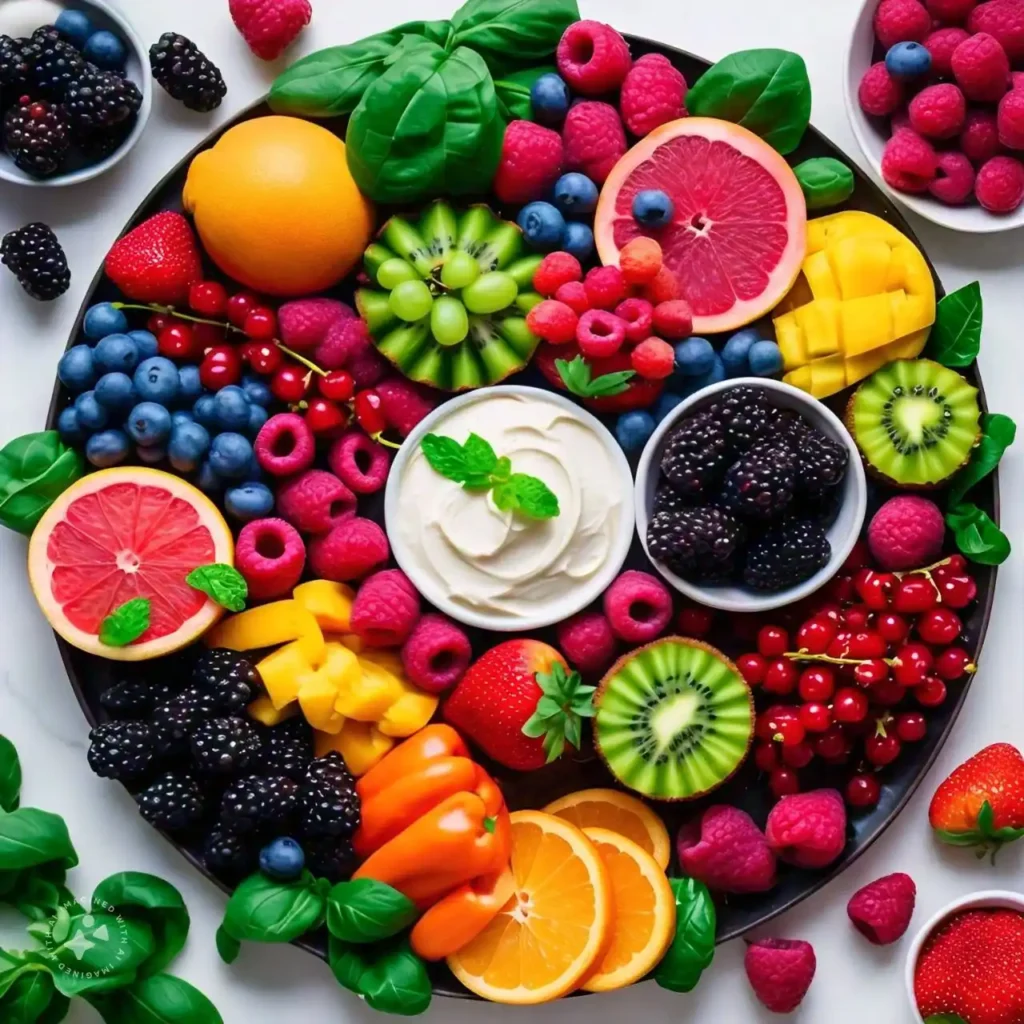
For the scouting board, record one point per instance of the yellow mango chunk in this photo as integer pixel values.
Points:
(860, 266)
(328, 602)
(360, 744)
(866, 324)
(387, 660)
(262, 710)
(342, 667)
(790, 337)
(281, 672)
(819, 322)
(820, 278)
(316, 698)
(370, 695)
(408, 714)
(268, 626)
(820, 378)
(353, 642)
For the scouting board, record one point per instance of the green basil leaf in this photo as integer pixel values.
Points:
(348, 963)
(977, 537)
(15, 965)
(765, 91)
(34, 470)
(998, 433)
(513, 91)
(56, 1011)
(98, 951)
(30, 837)
(222, 583)
(37, 897)
(10, 775)
(161, 999)
(534, 498)
(28, 998)
(824, 181)
(365, 910)
(262, 910)
(397, 982)
(693, 947)
(956, 337)
(126, 623)
(446, 456)
(228, 947)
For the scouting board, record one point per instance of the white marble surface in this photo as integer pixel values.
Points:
(37, 708)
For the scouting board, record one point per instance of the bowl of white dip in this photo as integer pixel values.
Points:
(502, 570)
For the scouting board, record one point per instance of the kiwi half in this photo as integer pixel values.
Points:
(674, 719)
(915, 422)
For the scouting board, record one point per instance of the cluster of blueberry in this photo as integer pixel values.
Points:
(557, 225)
(104, 49)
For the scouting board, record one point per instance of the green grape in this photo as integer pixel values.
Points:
(448, 320)
(411, 300)
(393, 272)
(459, 270)
(490, 292)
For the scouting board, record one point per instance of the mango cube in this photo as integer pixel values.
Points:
(360, 744)
(268, 626)
(408, 714)
(316, 698)
(328, 602)
(281, 672)
(262, 710)
(368, 697)
(342, 667)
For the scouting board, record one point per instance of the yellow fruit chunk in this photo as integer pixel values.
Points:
(262, 709)
(317, 696)
(281, 672)
(329, 603)
(267, 626)
(352, 642)
(342, 667)
(408, 714)
(360, 744)
(369, 696)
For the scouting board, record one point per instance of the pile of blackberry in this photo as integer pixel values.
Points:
(201, 768)
(747, 493)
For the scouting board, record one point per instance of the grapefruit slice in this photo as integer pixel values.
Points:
(738, 233)
(120, 534)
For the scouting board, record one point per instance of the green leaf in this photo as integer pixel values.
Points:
(998, 433)
(446, 456)
(365, 910)
(348, 963)
(29, 997)
(126, 623)
(534, 498)
(222, 583)
(262, 910)
(228, 947)
(977, 537)
(34, 470)
(98, 952)
(10, 775)
(30, 837)
(825, 182)
(504, 497)
(479, 455)
(160, 999)
(396, 982)
(956, 337)
(766, 91)
(576, 377)
(558, 715)
(502, 470)
(513, 91)
(693, 947)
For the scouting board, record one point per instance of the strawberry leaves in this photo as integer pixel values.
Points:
(577, 377)
(564, 703)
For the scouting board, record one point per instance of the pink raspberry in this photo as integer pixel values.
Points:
(909, 162)
(285, 445)
(1003, 19)
(592, 58)
(553, 321)
(360, 462)
(780, 972)
(1010, 120)
(653, 359)
(587, 641)
(348, 346)
(950, 11)
(386, 609)
(901, 21)
(664, 287)
(556, 269)
(594, 139)
(906, 533)
(638, 606)
(600, 334)
(999, 186)
(981, 68)
(271, 556)
(938, 111)
(352, 549)
(879, 94)
(941, 44)
(606, 287)
(673, 319)
(437, 654)
(531, 163)
(574, 295)
(954, 184)
(315, 501)
(638, 315)
(727, 852)
(304, 324)
(404, 403)
(270, 26)
(640, 260)
(882, 910)
(808, 829)
(980, 138)
(1017, 80)
(653, 94)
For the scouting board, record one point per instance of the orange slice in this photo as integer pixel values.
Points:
(644, 920)
(553, 929)
(608, 808)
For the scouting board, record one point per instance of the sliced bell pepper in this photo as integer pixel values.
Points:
(429, 744)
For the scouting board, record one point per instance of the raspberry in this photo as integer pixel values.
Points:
(587, 641)
(556, 269)
(1017, 80)
(270, 26)
(592, 58)
(594, 139)
(344, 460)
(640, 260)
(600, 334)
(909, 163)
(664, 287)
(981, 68)
(881, 911)
(999, 186)
(315, 502)
(941, 44)
(653, 359)
(780, 972)
(906, 532)
(348, 346)
(1010, 119)
(404, 403)
(553, 321)
(938, 111)
(727, 852)
(955, 182)
(638, 315)
(386, 609)
(638, 606)
(351, 550)
(653, 94)
(285, 445)
(980, 138)
(901, 21)
(879, 94)
(270, 555)
(673, 319)
(531, 163)
(1003, 19)
(304, 324)
(437, 654)
(605, 286)
(808, 829)
(950, 11)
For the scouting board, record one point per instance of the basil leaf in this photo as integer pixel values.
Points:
(998, 433)
(693, 947)
(366, 910)
(224, 584)
(397, 982)
(97, 952)
(824, 181)
(976, 536)
(125, 623)
(765, 91)
(348, 964)
(513, 91)
(29, 998)
(262, 910)
(956, 337)
(30, 837)
(15, 965)
(534, 498)
(479, 455)
(34, 470)
(161, 999)
(10, 775)
(446, 456)
(228, 947)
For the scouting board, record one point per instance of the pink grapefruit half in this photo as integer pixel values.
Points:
(738, 234)
(120, 534)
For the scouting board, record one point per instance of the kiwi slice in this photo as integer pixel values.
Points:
(674, 719)
(915, 422)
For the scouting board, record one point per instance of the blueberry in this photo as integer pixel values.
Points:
(91, 415)
(665, 404)
(205, 411)
(190, 387)
(67, 424)
(106, 449)
(633, 429)
(257, 417)
(208, 481)
(543, 226)
(231, 456)
(189, 443)
(694, 357)
(908, 60)
(653, 208)
(149, 423)
(257, 391)
(231, 408)
(116, 352)
(249, 501)
(115, 391)
(102, 320)
(151, 454)
(736, 352)
(145, 342)
(75, 27)
(181, 417)
(578, 240)
(549, 99)
(77, 369)
(106, 51)
(713, 376)
(282, 860)
(765, 359)
(575, 194)
(156, 380)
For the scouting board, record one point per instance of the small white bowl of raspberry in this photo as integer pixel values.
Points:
(922, 21)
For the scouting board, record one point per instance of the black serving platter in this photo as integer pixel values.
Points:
(89, 675)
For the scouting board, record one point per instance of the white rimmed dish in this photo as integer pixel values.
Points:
(576, 598)
(842, 534)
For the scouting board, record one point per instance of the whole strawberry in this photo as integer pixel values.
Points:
(156, 262)
(982, 803)
(521, 704)
(270, 26)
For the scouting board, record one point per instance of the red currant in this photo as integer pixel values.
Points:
(874, 588)
(157, 322)
(261, 324)
(800, 755)
(911, 727)
(240, 306)
(840, 646)
(695, 621)
(177, 341)
(882, 750)
(337, 385)
(326, 418)
(789, 732)
(871, 672)
(892, 628)
(815, 717)
(780, 677)
(863, 791)
(772, 641)
(867, 644)
(752, 667)
(911, 664)
(816, 634)
(841, 589)
(915, 594)
(369, 413)
(850, 705)
(220, 367)
(290, 383)
(832, 745)
(817, 683)
(857, 617)
(265, 357)
(208, 335)
(952, 664)
(766, 757)
(954, 565)
(784, 782)
(957, 591)
(768, 722)
(888, 694)
(208, 298)
(940, 626)
(931, 693)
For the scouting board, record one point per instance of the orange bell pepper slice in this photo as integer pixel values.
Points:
(429, 744)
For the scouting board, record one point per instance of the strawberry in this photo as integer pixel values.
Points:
(639, 393)
(982, 803)
(972, 966)
(157, 262)
(520, 703)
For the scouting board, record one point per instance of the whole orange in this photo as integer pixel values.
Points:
(276, 206)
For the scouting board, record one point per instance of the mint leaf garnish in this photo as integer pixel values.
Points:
(221, 583)
(533, 497)
(125, 623)
(479, 456)
(502, 469)
(446, 456)
(576, 376)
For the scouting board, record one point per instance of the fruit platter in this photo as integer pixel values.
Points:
(514, 524)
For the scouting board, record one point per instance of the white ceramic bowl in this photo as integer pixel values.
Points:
(993, 899)
(103, 16)
(574, 600)
(842, 534)
(872, 136)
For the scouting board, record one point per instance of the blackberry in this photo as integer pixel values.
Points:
(745, 416)
(187, 74)
(36, 258)
(98, 100)
(330, 858)
(100, 144)
(17, 59)
(253, 804)
(223, 746)
(788, 426)
(229, 855)
(668, 499)
(173, 802)
(699, 544)
(288, 748)
(57, 66)
(38, 137)
(822, 508)
(820, 463)
(176, 721)
(330, 768)
(229, 676)
(134, 698)
(328, 803)
(121, 750)
(760, 485)
(785, 557)
(695, 456)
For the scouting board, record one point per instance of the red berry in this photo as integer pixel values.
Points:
(336, 385)
(767, 727)
(832, 745)
(867, 644)
(789, 732)
(850, 705)
(858, 558)
(911, 727)
(784, 782)
(157, 322)
(931, 693)
(954, 565)
(752, 667)
(874, 588)
(939, 626)
(816, 634)
(177, 341)
(914, 595)
(240, 306)
(882, 750)
(888, 693)
(261, 324)
(911, 663)
(841, 589)
(208, 335)
(780, 677)
(816, 717)
(892, 628)
(857, 617)
(208, 298)
(800, 755)
(290, 383)
(951, 664)
(325, 418)
(696, 621)
(766, 757)
(871, 672)
(817, 683)
(840, 646)
(265, 358)
(369, 414)
(863, 791)
(956, 591)
(220, 367)
(772, 641)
